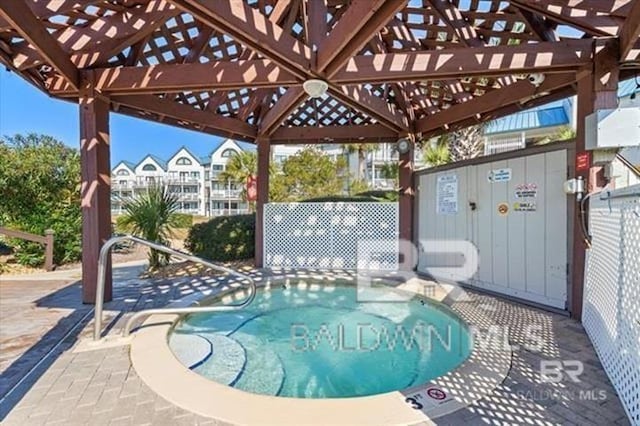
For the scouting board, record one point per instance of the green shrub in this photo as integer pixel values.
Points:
(340, 199)
(362, 197)
(224, 238)
(39, 190)
(183, 220)
(382, 195)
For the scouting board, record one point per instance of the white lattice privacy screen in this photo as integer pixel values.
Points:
(611, 312)
(326, 235)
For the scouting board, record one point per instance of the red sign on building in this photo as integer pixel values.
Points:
(583, 161)
(252, 188)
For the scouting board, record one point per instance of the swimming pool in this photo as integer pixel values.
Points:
(312, 339)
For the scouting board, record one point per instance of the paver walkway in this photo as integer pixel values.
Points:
(100, 387)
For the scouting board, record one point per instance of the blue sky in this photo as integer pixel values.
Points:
(25, 109)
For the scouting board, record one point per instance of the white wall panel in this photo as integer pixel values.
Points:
(521, 253)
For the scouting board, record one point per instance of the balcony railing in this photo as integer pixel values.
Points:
(228, 212)
(226, 193)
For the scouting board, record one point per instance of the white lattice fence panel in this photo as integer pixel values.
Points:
(611, 313)
(326, 235)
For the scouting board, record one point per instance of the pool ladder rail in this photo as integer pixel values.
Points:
(102, 271)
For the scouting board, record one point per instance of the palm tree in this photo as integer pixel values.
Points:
(361, 149)
(466, 143)
(437, 153)
(391, 171)
(239, 168)
(152, 215)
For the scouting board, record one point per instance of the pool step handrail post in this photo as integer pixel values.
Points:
(102, 271)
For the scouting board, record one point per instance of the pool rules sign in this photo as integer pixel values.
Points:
(447, 194)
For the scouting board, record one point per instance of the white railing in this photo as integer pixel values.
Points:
(228, 212)
(611, 308)
(329, 235)
(226, 193)
(105, 251)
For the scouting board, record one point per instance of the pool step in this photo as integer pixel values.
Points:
(263, 372)
(190, 349)
(227, 361)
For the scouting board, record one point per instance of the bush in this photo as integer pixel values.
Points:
(341, 199)
(224, 238)
(362, 197)
(182, 220)
(39, 190)
(382, 195)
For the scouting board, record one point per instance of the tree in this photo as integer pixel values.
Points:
(239, 168)
(39, 190)
(466, 143)
(307, 174)
(391, 171)
(361, 149)
(563, 134)
(436, 153)
(152, 215)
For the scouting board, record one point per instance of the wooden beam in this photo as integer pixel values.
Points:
(630, 31)
(464, 62)
(251, 28)
(187, 114)
(285, 105)
(331, 134)
(262, 186)
(355, 28)
(592, 24)
(405, 205)
(541, 27)
(584, 108)
(316, 22)
(95, 186)
(199, 45)
(607, 7)
(18, 14)
(502, 111)
(103, 38)
(451, 15)
(255, 100)
(44, 9)
(360, 98)
(508, 95)
(217, 75)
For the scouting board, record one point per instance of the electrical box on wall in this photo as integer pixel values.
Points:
(613, 128)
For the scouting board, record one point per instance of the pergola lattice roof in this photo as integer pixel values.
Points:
(235, 68)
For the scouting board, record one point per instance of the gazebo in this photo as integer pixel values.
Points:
(242, 69)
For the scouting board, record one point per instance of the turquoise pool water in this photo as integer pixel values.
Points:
(313, 340)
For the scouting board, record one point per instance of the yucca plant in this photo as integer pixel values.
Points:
(437, 153)
(152, 215)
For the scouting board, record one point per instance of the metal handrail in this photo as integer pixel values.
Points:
(102, 272)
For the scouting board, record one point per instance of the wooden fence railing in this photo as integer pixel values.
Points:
(47, 240)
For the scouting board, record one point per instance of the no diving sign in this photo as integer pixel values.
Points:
(437, 394)
(428, 398)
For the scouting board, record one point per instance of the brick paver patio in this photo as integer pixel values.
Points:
(100, 386)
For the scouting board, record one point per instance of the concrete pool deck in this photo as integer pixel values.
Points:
(101, 387)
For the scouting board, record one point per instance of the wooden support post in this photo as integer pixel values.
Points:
(405, 202)
(597, 89)
(264, 157)
(96, 185)
(48, 249)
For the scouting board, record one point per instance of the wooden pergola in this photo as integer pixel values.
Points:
(234, 68)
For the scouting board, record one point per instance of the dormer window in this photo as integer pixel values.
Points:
(183, 161)
(149, 168)
(228, 153)
(122, 172)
